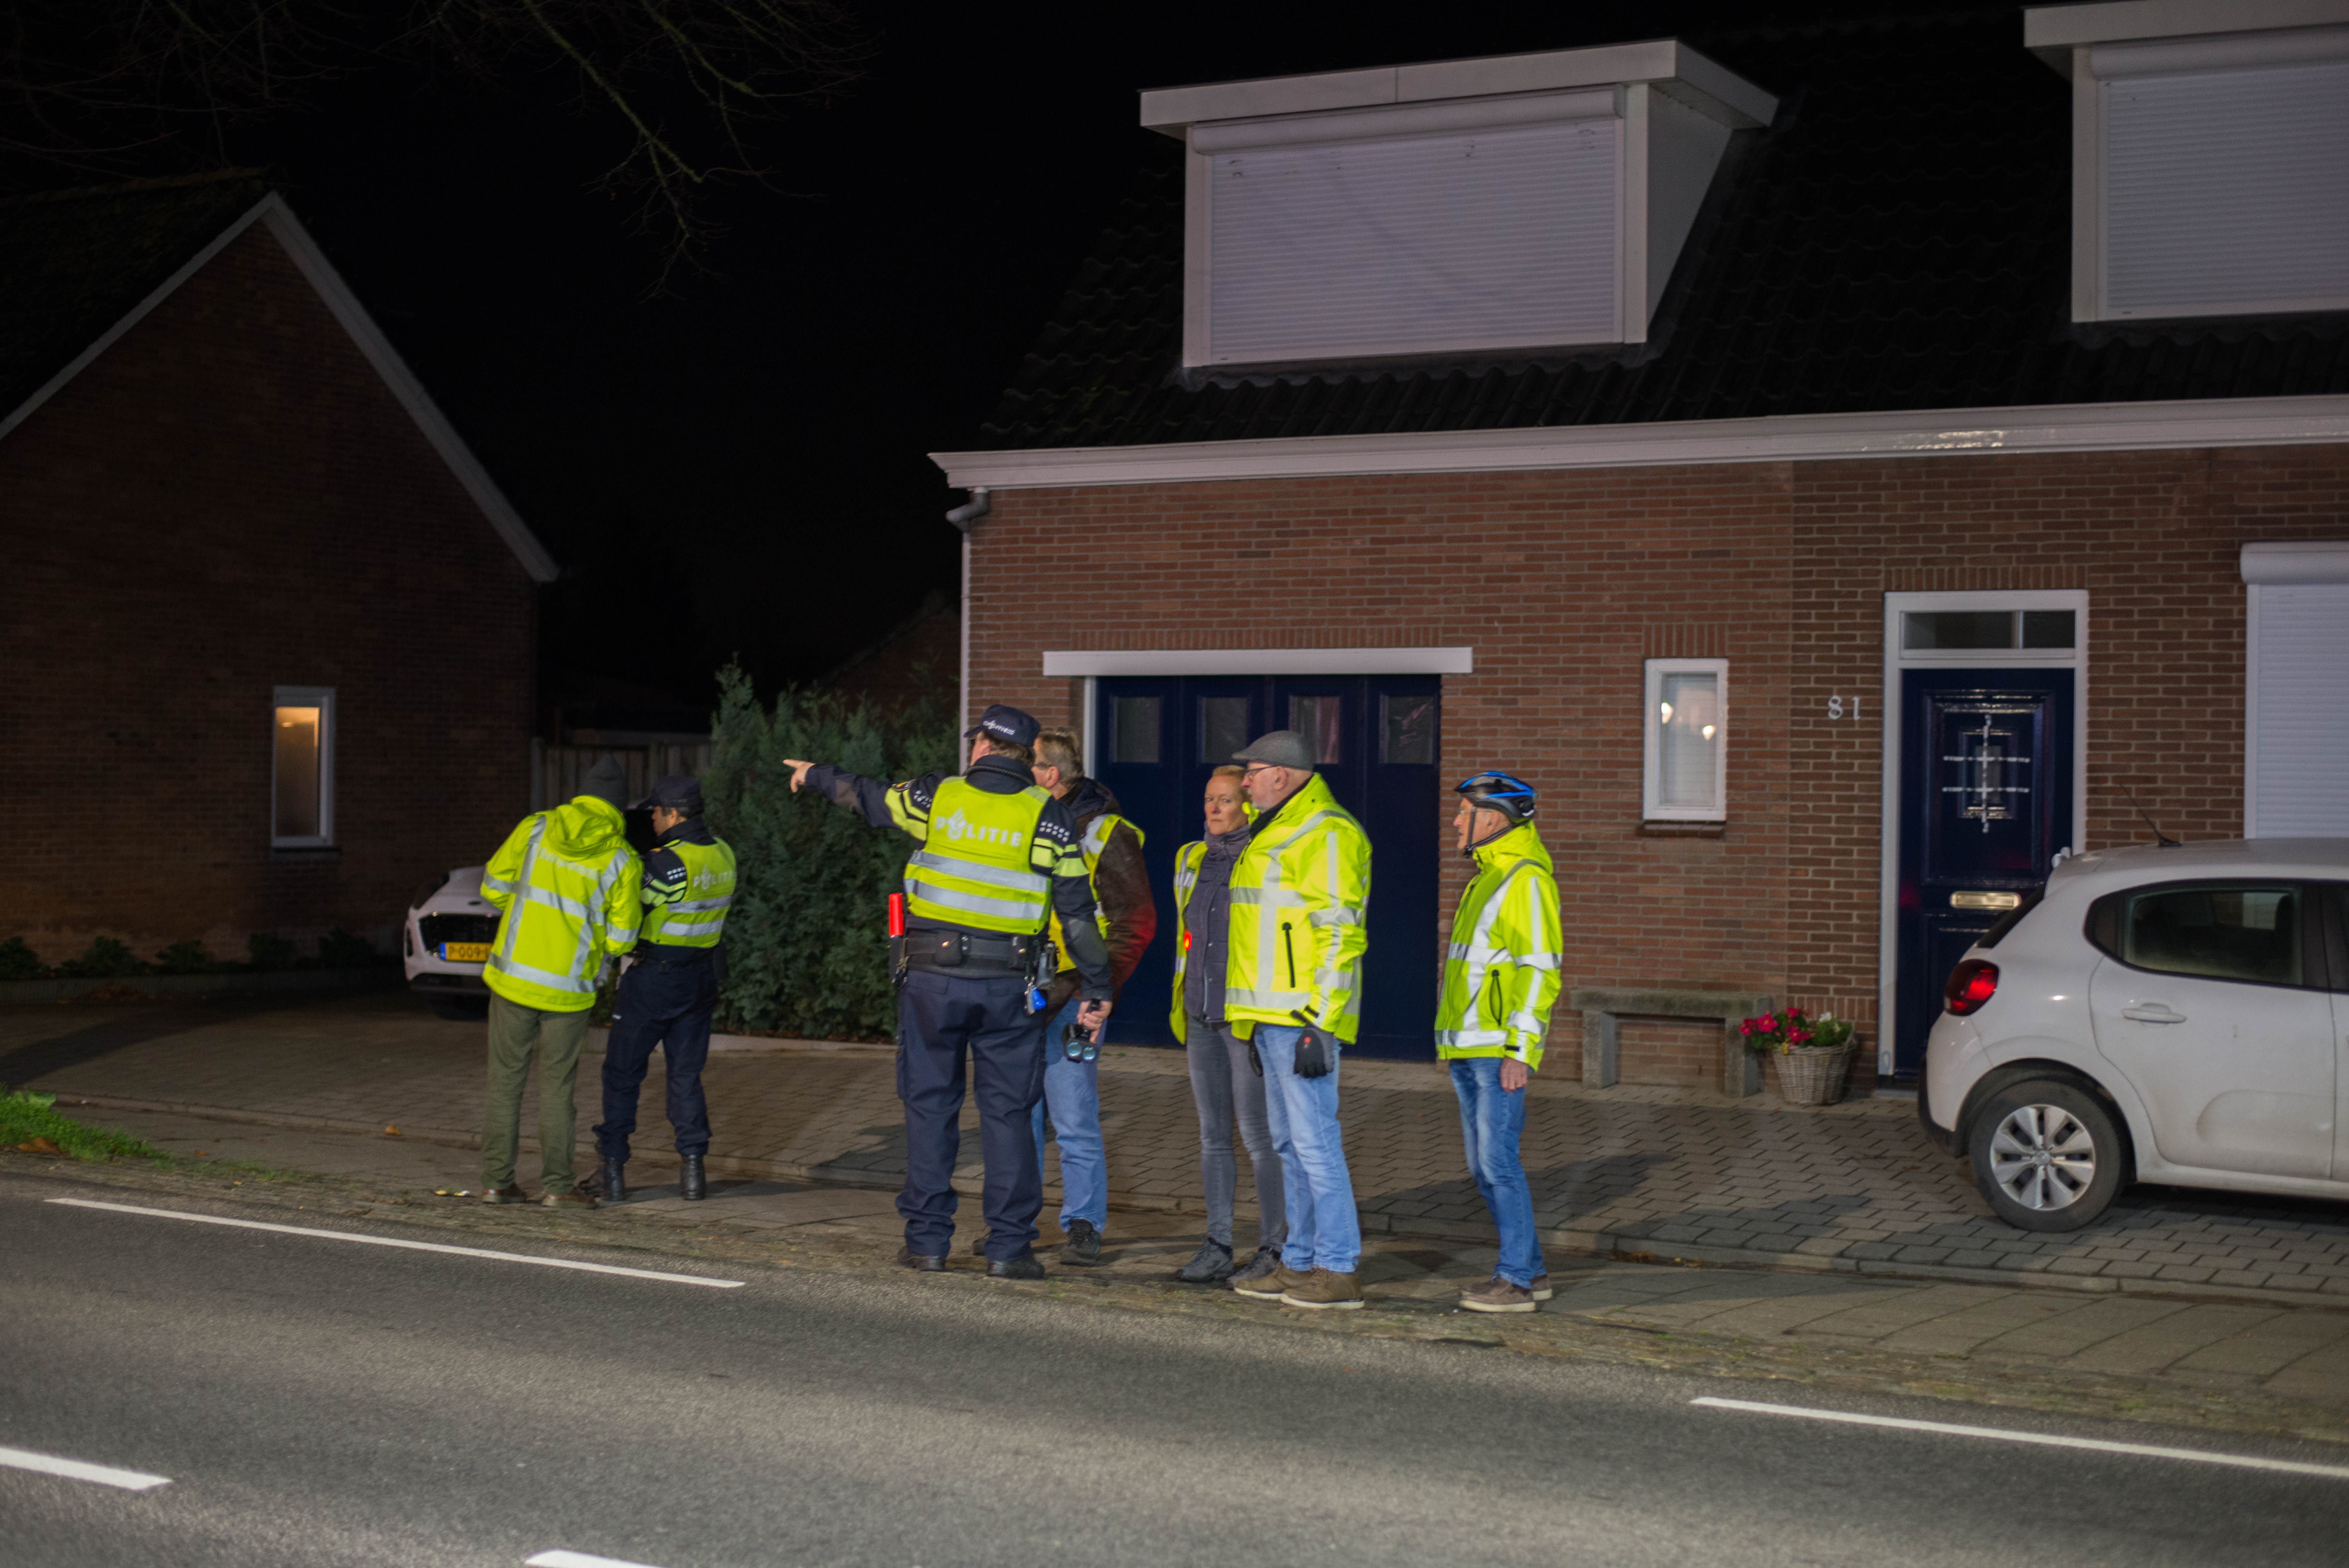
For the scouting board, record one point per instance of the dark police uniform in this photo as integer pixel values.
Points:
(666, 996)
(998, 855)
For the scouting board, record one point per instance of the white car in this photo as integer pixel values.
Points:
(447, 941)
(2174, 1013)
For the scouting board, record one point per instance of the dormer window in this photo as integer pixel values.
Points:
(2209, 155)
(1520, 203)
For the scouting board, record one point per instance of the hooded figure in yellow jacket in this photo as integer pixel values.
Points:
(568, 884)
(1500, 980)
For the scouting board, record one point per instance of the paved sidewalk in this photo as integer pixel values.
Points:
(1628, 1171)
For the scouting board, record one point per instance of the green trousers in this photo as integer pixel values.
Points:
(515, 1032)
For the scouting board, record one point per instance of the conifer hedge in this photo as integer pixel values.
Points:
(806, 940)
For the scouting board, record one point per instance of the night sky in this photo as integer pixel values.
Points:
(737, 468)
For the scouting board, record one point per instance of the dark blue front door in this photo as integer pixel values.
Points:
(1161, 738)
(1986, 783)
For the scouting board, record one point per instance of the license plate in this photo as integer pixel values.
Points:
(464, 953)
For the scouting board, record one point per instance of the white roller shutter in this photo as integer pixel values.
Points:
(1493, 239)
(2296, 777)
(2227, 192)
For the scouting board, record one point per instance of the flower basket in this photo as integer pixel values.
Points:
(1813, 1075)
(1813, 1053)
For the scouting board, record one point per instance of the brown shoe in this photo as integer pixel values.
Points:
(511, 1193)
(1541, 1287)
(1323, 1289)
(1497, 1294)
(577, 1198)
(1271, 1285)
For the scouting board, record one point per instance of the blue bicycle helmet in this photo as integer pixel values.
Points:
(1503, 793)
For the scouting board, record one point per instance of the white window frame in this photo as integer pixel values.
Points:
(2305, 562)
(323, 699)
(1890, 719)
(1652, 728)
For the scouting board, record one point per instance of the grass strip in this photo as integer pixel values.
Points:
(28, 1119)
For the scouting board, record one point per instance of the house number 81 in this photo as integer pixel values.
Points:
(1836, 709)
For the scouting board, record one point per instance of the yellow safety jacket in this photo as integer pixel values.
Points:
(696, 915)
(1095, 840)
(569, 886)
(981, 866)
(1502, 971)
(1187, 877)
(1298, 893)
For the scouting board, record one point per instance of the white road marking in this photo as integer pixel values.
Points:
(577, 1559)
(2143, 1450)
(391, 1242)
(74, 1470)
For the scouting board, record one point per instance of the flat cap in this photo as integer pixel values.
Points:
(1281, 748)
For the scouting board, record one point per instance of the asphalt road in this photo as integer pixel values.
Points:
(323, 1402)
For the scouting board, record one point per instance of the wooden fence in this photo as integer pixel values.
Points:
(556, 771)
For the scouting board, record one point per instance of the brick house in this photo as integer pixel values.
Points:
(1843, 468)
(271, 625)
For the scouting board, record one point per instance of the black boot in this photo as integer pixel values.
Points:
(615, 1181)
(690, 1183)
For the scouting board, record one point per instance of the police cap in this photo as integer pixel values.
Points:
(1004, 723)
(677, 792)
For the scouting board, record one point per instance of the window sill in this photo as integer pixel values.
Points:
(1670, 830)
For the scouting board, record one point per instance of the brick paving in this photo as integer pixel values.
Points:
(1631, 1170)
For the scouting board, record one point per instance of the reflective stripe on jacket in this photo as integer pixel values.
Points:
(568, 884)
(1297, 935)
(1095, 840)
(1502, 971)
(695, 914)
(981, 865)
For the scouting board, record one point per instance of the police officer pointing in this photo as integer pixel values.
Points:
(666, 995)
(999, 857)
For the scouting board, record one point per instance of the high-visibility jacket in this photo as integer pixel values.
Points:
(982, 864)
(1094, 841)
(1298, 893)
(1187, 877)
(687, 907)
(1502, 971)
(569, 885)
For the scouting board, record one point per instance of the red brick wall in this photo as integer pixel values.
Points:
(228, 499)
(1564, 582)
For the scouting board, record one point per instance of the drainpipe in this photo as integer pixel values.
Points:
(964, 518)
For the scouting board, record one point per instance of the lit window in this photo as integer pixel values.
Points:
(1686, 776)
(302, 771)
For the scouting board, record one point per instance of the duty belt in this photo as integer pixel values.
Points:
(975, 953)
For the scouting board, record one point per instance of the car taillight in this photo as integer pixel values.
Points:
(1972, 984)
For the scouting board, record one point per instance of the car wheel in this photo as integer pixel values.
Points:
(2047, 1155)
(460, 1009)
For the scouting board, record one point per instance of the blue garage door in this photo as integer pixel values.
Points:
(1160, 740)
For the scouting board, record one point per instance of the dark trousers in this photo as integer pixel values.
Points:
(939, 1017)
(665, 1005)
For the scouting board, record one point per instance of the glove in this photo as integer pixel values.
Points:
(1317, 1052)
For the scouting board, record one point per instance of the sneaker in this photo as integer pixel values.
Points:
(1497, 1294)
(511, 1193)
(1271, 1284)
(1211, 1263)
(577, 1198)
(1260, 1266)
(1083, 1246)
(1541, 1287)
(1322, 1289)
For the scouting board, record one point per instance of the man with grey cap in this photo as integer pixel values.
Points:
(669, 987)
(568, 885)
(1293, 990)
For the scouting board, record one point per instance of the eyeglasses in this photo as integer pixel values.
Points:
(1254, 769)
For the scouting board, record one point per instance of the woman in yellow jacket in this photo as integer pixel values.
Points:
(1224, 1084)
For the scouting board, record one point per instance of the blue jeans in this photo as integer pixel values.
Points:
(1323, 1231)
(1072, 1094)
(1491, 1120)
